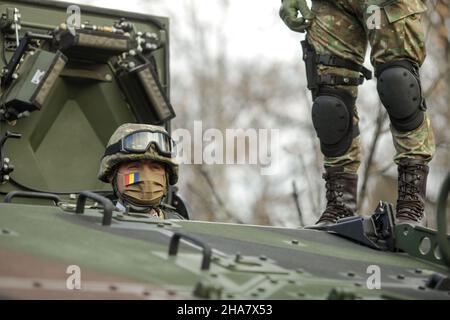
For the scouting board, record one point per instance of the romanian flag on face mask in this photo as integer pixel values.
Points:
(131, 178)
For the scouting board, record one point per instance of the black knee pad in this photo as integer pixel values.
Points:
(400, 91)
(332, 115)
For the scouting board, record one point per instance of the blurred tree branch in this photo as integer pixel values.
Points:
(295, 195)
(381, 118)
(205, 174)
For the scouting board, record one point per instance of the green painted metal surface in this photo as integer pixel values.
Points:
(62, 144)
(248, 261)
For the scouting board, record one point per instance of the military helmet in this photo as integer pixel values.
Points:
(134, 142)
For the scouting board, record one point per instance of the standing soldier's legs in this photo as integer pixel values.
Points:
(398, 51)
(334, 52)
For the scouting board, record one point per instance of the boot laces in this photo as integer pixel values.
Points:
(409, 205)
(336, 209)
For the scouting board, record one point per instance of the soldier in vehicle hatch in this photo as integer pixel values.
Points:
(139, 163)
(334, 51)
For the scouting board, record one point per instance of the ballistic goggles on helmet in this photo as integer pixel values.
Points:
(140, 141)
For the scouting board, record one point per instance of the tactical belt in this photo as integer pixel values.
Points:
(333, 79)
(334, 61)
(312, 59)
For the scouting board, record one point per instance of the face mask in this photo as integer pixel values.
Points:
(145, 187)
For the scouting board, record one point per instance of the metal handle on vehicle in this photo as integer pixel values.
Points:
(28, 194)
(444, 246)
(108, 206)
(175, 242)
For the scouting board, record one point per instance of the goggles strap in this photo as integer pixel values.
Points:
(113, 149)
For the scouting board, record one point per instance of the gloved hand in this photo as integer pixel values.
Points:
(289, 12)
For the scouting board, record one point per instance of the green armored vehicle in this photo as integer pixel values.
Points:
(70, 77)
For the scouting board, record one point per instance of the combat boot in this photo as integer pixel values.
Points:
(412, 185)
(341, 190)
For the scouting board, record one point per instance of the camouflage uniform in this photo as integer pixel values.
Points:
(163, 211)
(340, 28)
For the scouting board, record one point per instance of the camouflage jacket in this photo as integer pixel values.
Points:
(162, 211)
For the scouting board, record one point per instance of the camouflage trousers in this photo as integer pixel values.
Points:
(341, 29)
